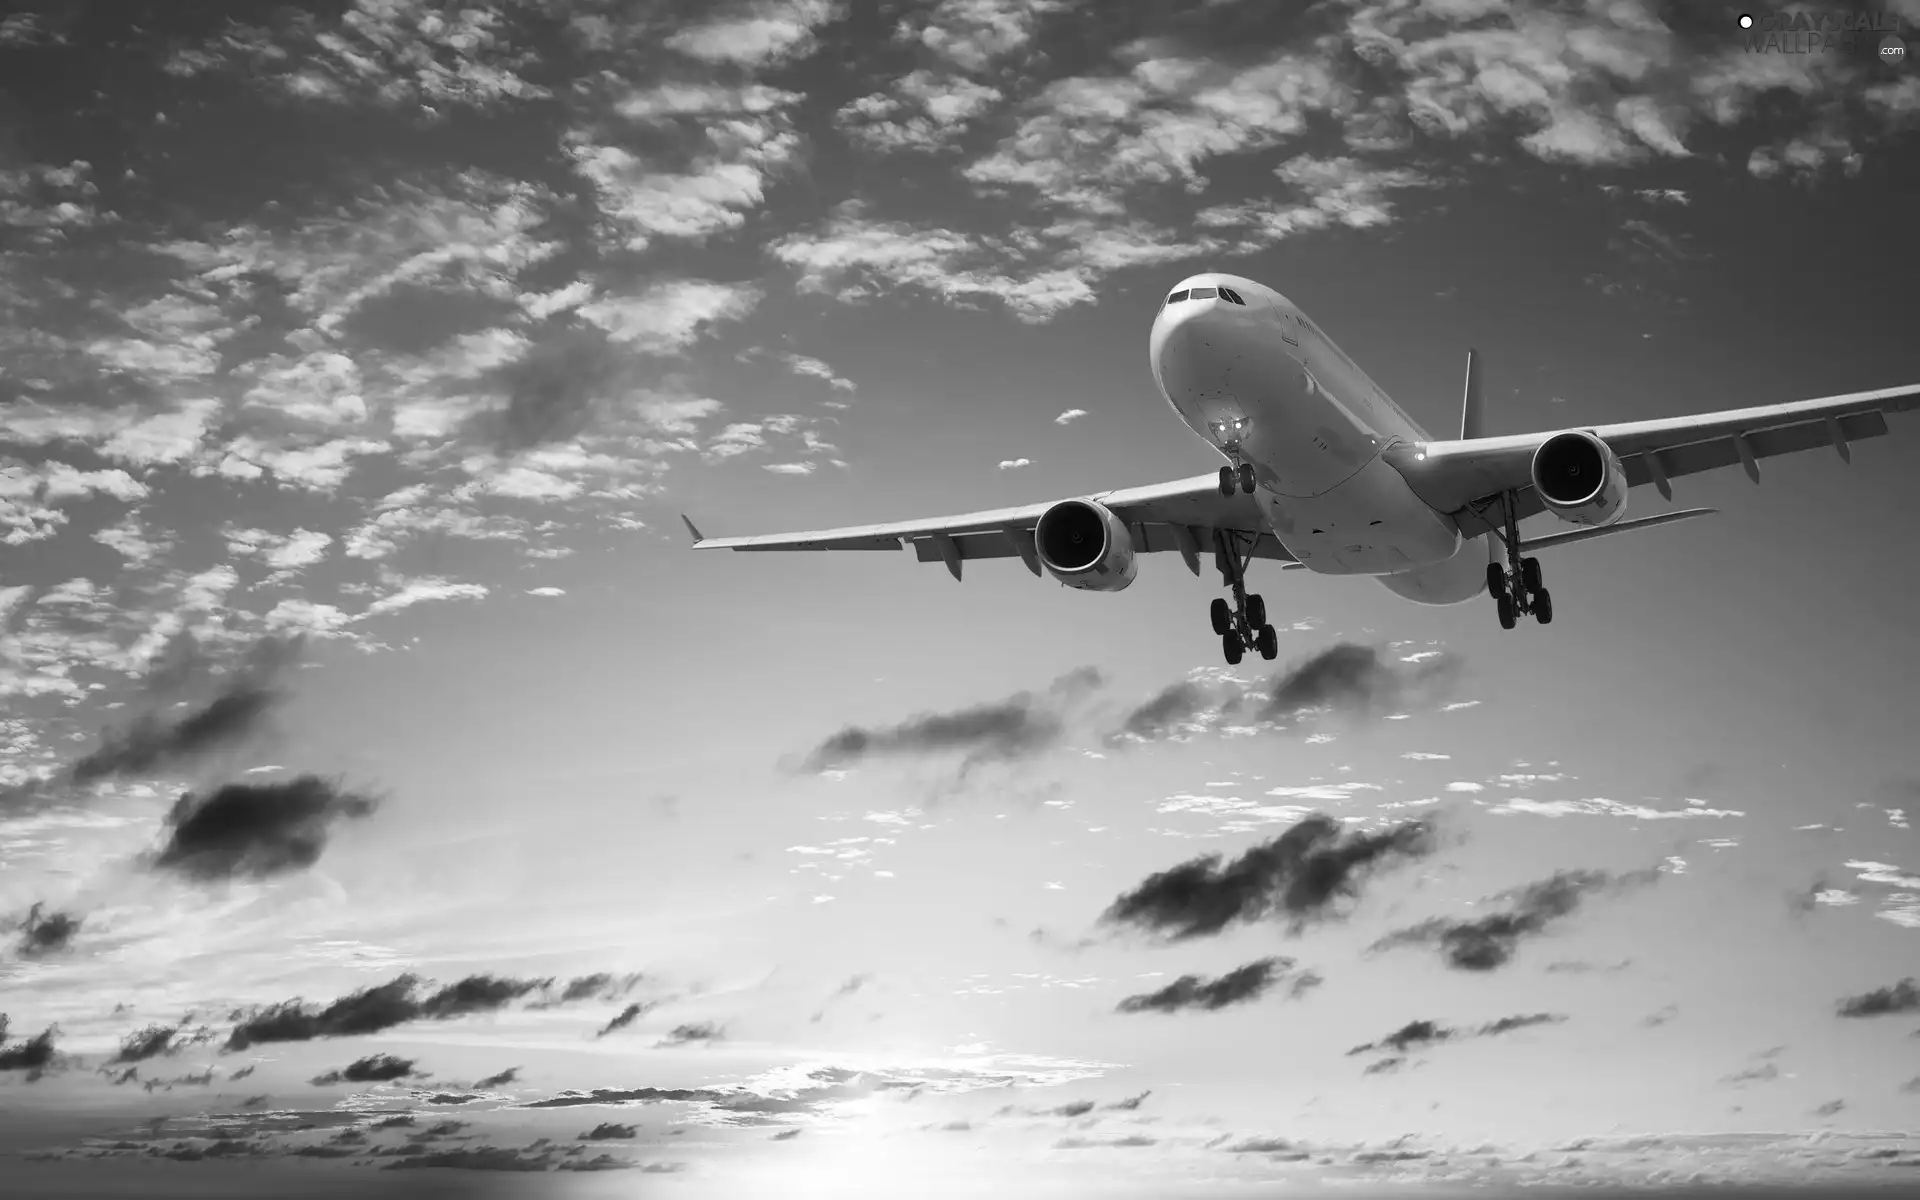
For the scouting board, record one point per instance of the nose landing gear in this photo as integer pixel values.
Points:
(1516, 589)
(1237, 479)
(1242, 625)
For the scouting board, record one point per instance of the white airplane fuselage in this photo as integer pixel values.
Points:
(1260, 383)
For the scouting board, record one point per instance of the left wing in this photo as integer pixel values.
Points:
(1453, 476)
(1183, 515)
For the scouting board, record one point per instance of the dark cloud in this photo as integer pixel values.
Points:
(147, 1043)
(1297, 875)
(242, 1073)
(398, 1121)
(377, 1008)
(624, 1018)
(1830, 1109)
(256, 829)
(1238, 986)
(33, 1056)
(1764, 1073)
(44, 933)
(555, 390)
(1130, 1103)
(1128, 1141)
(452, 1098)
(1901, 997)
(786, 1135)
(477, 994)
(1485, 943)
(510, 1075)
(1019, 727)
(607, 1131)
(375, 1068)
(1348, 679)
(698, 1031)
(632, 1096)
(1264, 1145)
(478, 1158)
(445, 1128)
(152, 742)
(1174, 706)
(1417, 1034)
(601, 985)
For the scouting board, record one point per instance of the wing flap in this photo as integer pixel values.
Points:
(1149, 537)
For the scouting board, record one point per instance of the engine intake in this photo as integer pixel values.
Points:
(1084, 545)
(1580, 479)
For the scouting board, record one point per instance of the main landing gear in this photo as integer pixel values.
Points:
(1242, 625)
(1516, 589)
(1237, 479)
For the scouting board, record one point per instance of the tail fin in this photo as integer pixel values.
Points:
(1473, 405)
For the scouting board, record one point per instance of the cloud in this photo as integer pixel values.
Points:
(375, 1068)
(624, 1018)
(1901, 997)
(256, 829)
(500, 1080)
(1014, 464)
(756, 34)
(1070, 416)
(378, 1008)
(151, 1042)
(1020, 727)
(150, 744)
(1238, 986)
(699, 1031)
(46, 932)
(33, 1056)
(1298, 875)
(1416, 1034)
(1485, 943)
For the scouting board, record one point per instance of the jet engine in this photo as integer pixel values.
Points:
(1083, 545)
(1580, 479)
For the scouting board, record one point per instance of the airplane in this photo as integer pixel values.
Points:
(1325, 473)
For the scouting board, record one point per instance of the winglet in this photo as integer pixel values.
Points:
(693, 529)
(1473, 404)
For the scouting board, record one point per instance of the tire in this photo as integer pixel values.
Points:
(1530, 574)
(1496, 580)
(1256, 611)
(1247, 480)
(1507, 615)
(1268, 643)
(1231, 647)
(1222, 617)
(1227, 482)
(1543, 606)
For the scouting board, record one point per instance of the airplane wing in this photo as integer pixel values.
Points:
(1183, 516)
(1453, 476)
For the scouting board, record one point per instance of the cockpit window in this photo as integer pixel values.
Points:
(1231, 296)
(1204, 293)
(1176, 298)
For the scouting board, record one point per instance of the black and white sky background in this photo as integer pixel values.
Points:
(389, 799)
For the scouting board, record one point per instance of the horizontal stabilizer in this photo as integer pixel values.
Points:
(1581, 535)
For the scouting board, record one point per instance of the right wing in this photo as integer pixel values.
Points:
(1183, 515)
(1455, 477)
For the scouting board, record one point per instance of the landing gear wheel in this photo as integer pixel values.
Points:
(1222, 616)
(1256, 611)
(1268, 643)
(1227, 481)
(1507, 616)
(1543, 606)
(1530, 574)
(1496, 580)
(1231, 647)
(1247, 480)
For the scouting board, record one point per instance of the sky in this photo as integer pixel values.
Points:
(391, 798)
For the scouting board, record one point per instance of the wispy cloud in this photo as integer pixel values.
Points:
(1487, 943)
(1238, 986)
(1019, 727)
(1298, 876)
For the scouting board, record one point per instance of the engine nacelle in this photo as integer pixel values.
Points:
(1083, 545)
(1580, 479)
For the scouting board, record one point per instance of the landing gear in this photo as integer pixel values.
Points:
(1242, 625)
(1516, 588)
(1238, 479)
